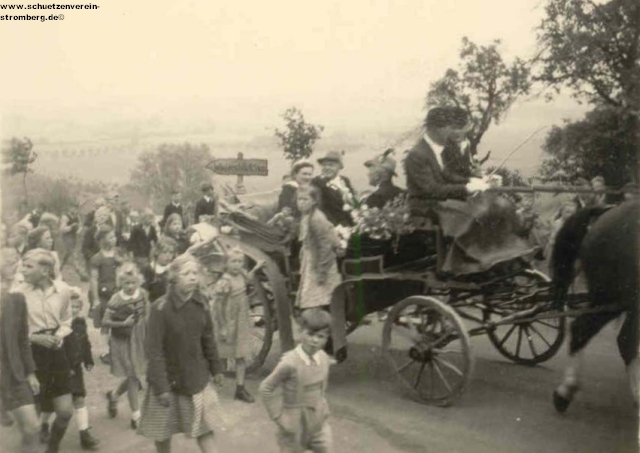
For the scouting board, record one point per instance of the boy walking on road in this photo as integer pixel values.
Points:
(302, 411)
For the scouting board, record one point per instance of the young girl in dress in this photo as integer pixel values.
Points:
(232, 318)
(155, 275)
(103, 278)
(182, 356)
(126, 316)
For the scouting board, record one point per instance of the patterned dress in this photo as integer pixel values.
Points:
(127, 344)
(231, 304)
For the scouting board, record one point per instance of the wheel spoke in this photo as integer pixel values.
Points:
(404, 367)
(530, 341)
(519, 345)
(449, 365)
(431, 379)
(507, 335)
(544, 323)
(442, 377)
(447, 351)
(540, 335)
(415, 385)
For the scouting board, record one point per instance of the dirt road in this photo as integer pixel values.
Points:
(506, 409)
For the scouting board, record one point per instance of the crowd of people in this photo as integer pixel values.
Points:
(167, 334)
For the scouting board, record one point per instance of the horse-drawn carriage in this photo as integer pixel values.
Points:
(424, 337)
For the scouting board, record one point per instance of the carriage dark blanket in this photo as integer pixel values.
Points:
(484, 232)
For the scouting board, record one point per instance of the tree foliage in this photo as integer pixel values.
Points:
(298, 137)
(171, 166)
(483, 84)
(592, 48)
(20, 156)
(599, 144)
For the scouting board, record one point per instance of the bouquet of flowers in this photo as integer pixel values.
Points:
(388, 223)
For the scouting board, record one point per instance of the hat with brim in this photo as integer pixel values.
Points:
(332, 156)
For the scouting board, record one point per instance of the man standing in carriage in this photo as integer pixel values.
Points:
(443, 189)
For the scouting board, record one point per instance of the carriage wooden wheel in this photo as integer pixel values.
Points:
(426, 344)
(528, 341)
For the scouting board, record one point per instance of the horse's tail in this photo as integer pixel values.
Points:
(567, 248)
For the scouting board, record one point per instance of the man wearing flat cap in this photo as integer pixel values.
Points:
(382, 169)
(338, 196)
(206, 206)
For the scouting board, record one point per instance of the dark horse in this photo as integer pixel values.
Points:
(606, 243)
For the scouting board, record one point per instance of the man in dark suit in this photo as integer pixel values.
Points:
(382, 169)
(440, 178)
(338, 196)
(174, 207)
(206, 206)
(428, 180)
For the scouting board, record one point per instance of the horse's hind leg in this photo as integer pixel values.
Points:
(628, 343)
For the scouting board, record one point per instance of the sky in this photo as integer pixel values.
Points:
(357, 67)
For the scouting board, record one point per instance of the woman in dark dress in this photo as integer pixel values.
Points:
(18, 382)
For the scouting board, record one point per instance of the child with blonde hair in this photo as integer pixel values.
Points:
(126, 316)
(231, 312)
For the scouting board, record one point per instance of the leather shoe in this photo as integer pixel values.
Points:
(243, 395)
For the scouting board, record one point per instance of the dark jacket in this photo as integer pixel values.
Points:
(155, 284)
(77, 345)
(333, 202)
(427, 182)
(140, 242)
(181, 347)
(16, 358)
(204, 207)
(173, 209)
(89, 244)
(34, 219)
(386, 192)
(457, 166)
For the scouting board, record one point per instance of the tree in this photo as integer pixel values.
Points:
(599, 144)
(172, 166)
(483, 84)
(19, 155)
(594, 50)
(298, 138)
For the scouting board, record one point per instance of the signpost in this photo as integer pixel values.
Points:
(240, 167)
